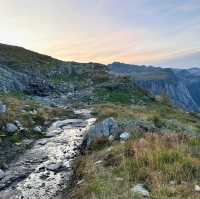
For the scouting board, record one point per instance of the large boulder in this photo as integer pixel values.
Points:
(11, 128)
(104, 129)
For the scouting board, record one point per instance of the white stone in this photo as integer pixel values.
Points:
(125, 136)
(197, 188)
(111, 138)
(139, 189)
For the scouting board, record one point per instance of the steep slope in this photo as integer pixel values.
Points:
(181, 85)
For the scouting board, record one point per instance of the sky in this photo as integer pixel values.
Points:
(151, 32)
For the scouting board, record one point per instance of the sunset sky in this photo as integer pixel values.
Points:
(158, 32)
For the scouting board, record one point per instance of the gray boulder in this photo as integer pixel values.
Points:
(3, 107)
(11, 128)
(104, 129)
(2, 174)
(37, 129)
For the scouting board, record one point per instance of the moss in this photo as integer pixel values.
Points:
(16, 138)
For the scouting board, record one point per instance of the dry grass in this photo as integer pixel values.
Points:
(154, 160)
(29, 113)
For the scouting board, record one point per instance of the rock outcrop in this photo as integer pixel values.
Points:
(104, 129)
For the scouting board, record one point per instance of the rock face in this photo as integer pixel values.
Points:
(41, 75)
(104, 129)
(182, 86)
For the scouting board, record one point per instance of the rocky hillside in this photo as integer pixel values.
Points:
(181, 85)
(36, 74)
(133, 144)
(41, 75)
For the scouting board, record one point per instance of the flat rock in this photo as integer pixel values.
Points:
(54, 166)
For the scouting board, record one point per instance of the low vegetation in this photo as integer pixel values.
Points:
(29, 114)
(166, 164)
(163, 153)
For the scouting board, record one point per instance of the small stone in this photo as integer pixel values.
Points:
(80, 182)
(98, 162)
(197, 188)
(125, 136)
(18, 124)
(42, 142)
(37, 129)
(139, 189)
(2, 174)
(172, 183)
(109, 149)
(54, 166)
(119, 179)
(34, 112)
(11, 128)
(111, 138)
(3, 108)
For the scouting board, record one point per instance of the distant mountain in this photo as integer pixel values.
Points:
(181, 85)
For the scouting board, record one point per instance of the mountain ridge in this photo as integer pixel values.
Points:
(35, 73)
(181, 85)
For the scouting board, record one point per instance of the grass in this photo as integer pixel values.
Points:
(163, 153)
(155, 160)
(22, 109)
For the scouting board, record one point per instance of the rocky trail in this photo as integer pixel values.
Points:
(45, 170)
